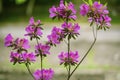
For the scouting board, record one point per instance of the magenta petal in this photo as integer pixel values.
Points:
(8, 40)
(31, 21)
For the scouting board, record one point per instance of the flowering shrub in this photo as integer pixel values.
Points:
(97, 14)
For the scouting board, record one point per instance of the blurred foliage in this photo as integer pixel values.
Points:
(20, 1)
(16, 10)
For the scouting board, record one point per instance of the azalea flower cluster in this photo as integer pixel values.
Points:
(63, 11)
(47, 74)
(68, 30)
(20, 53)
(96, 13)
(72, 60)
(58, 34)
(34, 29)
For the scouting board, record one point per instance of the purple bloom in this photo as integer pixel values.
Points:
(107, 19)
(33, 23)
(28, 57)
(104, 21)
(97, 13)
(22, 58)
(8, 40)
(44, 74)
(84, 9)
(63, 11)
(18, 44)
(15, 57)
(99, 8)
(22, 43)
(73, 58)
(57, 31)
(42, 49)
(97, 5)
(71, 29)
(33, 30)
(53, 39)
(67, 11)
(56, 36)
(53, 12)
(105, 11)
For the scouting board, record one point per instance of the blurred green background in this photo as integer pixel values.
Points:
(103, 62)
(21, 10)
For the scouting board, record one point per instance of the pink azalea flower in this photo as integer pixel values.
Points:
(22, 43)
(44, 74)
(28, 57)
(68, 28)
(84, 9)
(97, 13)
(15, 57)
(42, 49)
(33, 30)
(33, 23)
(53, 12)
(73, 58)
(56, 36)
(8, 40)
(63, 11)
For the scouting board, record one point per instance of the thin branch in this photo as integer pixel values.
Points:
(41, 58)
(69, 66)
(95, 37)
(83, 57)
(28, 68)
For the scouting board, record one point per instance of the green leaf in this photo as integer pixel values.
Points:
(66, 3)
(14, 62)
(99, 1)
(107, 27)
(104, 29)
(69, 36)
(85, 2)
(106, 4)
(73, 37)
(90, 2)
(91, 23)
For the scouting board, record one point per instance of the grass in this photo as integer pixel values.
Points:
(90, 64)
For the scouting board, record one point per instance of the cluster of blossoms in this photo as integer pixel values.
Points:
(20, 54)
(58, 34)
(73, 58)
(20, 45)
(66, 12)
(70, 30)
(41, 49)
(33, 29)
(47, 74)
(63, 11)
(55, 37)
(22, 58)
(97, 13)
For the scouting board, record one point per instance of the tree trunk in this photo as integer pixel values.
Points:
(30, 7)
(1, 6)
